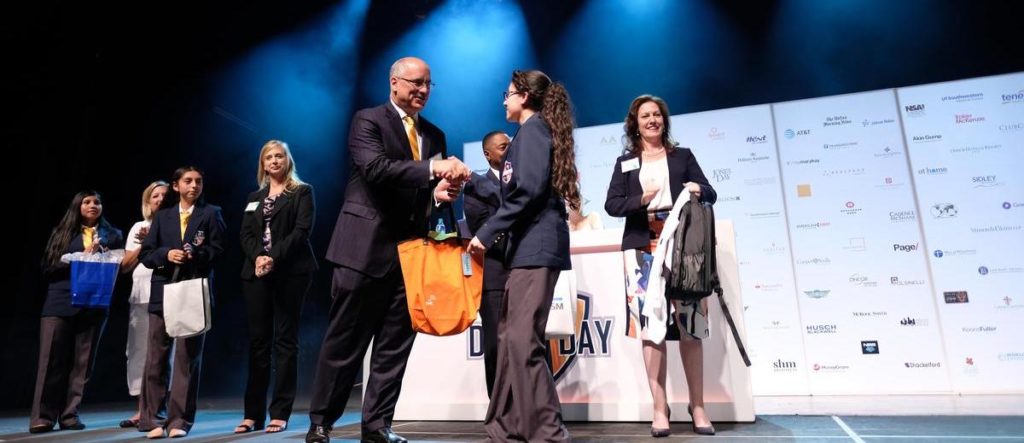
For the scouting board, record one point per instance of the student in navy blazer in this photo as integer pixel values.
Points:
(645, 183)
(276, 274)
(192, 253)
(68, 335)
(482, 199)
(538, 178)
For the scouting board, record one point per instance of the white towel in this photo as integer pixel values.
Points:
(656, 307)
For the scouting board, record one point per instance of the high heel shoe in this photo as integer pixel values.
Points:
(702, 430)
(659, 432)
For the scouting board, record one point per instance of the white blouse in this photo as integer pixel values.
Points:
(654, 175)
(142, 275)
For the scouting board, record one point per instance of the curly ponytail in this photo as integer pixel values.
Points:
(552, 101)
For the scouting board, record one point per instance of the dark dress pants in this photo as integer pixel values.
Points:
(273, 304)
(491, 304)
(67, 350)
(524, 404)
(184, 390)
(364, 309)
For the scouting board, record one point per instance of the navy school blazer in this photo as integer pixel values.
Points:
(625, 193)
(165, 235)
(482, 199)
(531, 212)
(291, 222)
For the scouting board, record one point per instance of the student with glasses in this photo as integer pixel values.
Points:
(538, 177)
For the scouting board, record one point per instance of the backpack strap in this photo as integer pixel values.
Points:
(732, 325)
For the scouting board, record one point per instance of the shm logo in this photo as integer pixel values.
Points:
(591, 339)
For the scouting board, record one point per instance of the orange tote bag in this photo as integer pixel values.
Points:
(443, 284)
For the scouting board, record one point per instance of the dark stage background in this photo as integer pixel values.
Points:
(114, 95)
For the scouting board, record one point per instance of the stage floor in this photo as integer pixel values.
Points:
(217, 418)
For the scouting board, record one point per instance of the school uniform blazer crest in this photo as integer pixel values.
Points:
(388, 196)
(482, 199)
(531, 212)
(291, 221)
(625, 193)
(205, 232)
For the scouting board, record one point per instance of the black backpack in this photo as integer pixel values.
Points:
(693, 274)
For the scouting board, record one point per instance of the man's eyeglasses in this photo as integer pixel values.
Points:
(508, 94)
(420, 83)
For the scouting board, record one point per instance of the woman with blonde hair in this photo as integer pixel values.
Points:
(276, 274)
(138, 313)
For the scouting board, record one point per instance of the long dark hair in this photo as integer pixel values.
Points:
(631, 139)
(70, 226)
(551, 100)
(178, 173)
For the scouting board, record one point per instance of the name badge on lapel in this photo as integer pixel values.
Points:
(630, 165)
(251, 206)
(198, 239)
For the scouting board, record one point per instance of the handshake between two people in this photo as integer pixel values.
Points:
(453, 174)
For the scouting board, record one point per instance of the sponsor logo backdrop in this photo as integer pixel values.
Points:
(878, 234)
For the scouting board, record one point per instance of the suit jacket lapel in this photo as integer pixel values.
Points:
(426, 146)
(281, 201)
(676, 168)
(494, 190)
(398, 128)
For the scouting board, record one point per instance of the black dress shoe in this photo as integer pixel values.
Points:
(663, 432)
(702, 430)
(76, 425)
(318, 434)
(382, 435)
(39, 429)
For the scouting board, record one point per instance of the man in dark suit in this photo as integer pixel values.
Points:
(482, 200)
(398, 161)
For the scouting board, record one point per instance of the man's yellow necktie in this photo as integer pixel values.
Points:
(88, 236)
(184, 216)
(410, 129)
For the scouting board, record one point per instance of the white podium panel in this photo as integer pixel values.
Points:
(599, 373)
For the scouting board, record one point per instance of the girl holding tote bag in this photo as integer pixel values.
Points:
(184, 241)
(69, 335)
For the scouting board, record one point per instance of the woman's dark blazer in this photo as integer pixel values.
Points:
(625, 193)
(165, 235)
(531, 212)
(290, 225)
(58, 277)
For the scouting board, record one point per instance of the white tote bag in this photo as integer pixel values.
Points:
(187, 310)
(562, 316)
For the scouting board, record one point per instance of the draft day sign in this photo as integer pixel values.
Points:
(599, 373)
